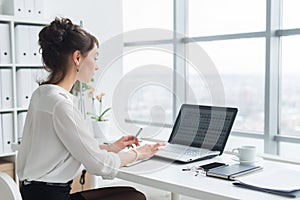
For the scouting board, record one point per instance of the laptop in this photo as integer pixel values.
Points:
(200, 132)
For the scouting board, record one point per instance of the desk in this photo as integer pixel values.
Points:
(162, 174)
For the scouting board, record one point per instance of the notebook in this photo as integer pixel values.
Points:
(199, 132)
(231, 172)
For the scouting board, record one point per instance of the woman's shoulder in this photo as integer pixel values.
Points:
(54, 91)
(50, 95)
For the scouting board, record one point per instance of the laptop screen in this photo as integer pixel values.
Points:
(203, 126)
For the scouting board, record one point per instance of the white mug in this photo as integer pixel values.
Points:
(246, 154)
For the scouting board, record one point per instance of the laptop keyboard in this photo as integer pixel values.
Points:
(186, 151)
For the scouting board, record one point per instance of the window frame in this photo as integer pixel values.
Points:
(273, 34)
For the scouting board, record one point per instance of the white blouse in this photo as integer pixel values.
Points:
(57, 141)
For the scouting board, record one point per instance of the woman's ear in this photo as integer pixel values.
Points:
(76, 57)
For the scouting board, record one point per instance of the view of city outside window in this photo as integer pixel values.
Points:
(145, 14)
(215, 17)
(139, 14)
(291, 14)
(240, 64)
(290, 87)
(149, 94)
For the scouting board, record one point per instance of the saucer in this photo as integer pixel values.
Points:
(257, 159)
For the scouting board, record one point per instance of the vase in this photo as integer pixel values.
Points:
(100, 129)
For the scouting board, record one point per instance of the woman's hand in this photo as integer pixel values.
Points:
(140, 153)
(123, 142)
(148, 150)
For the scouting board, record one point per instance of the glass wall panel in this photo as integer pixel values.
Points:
(240, 64)
(290, 89)
(150, 71)
(290, 14)
(215, 17)
(139, 14)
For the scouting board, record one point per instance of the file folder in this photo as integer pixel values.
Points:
(278, 180)
(39, 75)
(23, 87)
(6, 89)
(35, 77)
(22, 44)
(26, 85)
(1, 135)
(39, 9)
(5, 50)
(14, 7)
(1, 91)
(7, 131)
(35, 56)
(29, 9)
(292, 193)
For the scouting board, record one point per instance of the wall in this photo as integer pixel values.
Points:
(103, 19)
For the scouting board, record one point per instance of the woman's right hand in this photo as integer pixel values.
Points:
(148, 150)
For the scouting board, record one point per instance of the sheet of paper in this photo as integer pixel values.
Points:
(282, 179)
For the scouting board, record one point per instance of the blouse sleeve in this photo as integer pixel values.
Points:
(73, 132)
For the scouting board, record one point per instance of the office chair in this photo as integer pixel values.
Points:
(8, 188)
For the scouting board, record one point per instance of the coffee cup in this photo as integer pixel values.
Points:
(246, 154)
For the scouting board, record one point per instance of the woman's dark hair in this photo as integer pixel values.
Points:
(57, 42)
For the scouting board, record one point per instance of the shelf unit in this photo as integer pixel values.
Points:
(15, 110)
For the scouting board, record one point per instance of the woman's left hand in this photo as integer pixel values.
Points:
(123, 142)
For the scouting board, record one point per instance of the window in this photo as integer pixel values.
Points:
(149, 96)
(234, 35)
(291, 15)
(139, 14)
(240, 64)
(290, 89)
(215, 17)
(150, 70)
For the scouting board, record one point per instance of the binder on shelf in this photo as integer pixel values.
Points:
(35, 78)
(21, 123)
(26, 84)
(23, 87)
(29, 9)
(14, 7)
(35, 56)
(231, 172)
(39, 75)
(22, 44)
(1, 135)
(1, 91)
(7, 131)
(5, 50)
(6, 88)
(39, 9)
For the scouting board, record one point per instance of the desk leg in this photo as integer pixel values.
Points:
(175, 196)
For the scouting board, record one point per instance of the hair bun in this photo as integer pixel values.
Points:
(56, 33)
(60, 28)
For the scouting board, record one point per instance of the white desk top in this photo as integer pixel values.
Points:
(169, 176)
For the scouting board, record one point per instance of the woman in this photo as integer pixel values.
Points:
(56, 142)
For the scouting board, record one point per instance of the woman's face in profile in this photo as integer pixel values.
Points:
(88, 66)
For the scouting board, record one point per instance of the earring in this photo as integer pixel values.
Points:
(77, 70)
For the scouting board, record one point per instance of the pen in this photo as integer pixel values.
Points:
(136, 135)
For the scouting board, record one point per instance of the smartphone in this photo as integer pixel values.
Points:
(209, 166)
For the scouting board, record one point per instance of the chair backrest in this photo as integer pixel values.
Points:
(8, 188)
